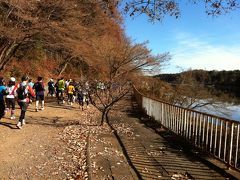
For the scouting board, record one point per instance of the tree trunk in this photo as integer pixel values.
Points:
(105, 116)
(7, 53)
(65, 66)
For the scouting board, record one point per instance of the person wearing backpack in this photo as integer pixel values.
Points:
(10, 98)
(2, 93)
(39, 90)
(23, 92)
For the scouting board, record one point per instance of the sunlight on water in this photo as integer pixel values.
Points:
(230, 111)
(235, 112)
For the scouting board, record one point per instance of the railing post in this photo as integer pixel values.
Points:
(200, 131)
(193, 127)
(178, 119)
(237, 142)
(185, 123)
(217, 135)
(162, 115)
(190, 125)
(196, 129)
(208, 122)
(231, 144)
(220, 139)
(211, 135)
(203, 134)
(225, 142)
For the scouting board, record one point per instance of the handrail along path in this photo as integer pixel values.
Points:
(216, 135)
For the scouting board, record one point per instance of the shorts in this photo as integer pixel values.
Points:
(40, 97)
(10, 102)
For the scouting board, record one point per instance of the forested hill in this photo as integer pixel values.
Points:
(56, 38)
(222, 80)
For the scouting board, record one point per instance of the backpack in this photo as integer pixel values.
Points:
(39, 86)
(22, 92)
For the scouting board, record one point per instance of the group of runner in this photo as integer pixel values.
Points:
(76, 91)
(26, 90)
(22, 91)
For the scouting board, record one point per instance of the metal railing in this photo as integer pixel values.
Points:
(216, 135)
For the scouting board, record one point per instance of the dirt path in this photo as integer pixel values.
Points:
(61, 142)
(39, 149)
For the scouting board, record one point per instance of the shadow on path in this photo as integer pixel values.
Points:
(157, 153)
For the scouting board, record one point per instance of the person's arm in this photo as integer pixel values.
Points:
(34, 85)
(4, 91)
(31, 91)
(15, 90)
(43, 85)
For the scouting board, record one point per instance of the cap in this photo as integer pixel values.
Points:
(12, 79)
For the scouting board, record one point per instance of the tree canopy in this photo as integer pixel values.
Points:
(72, 34)
(158, 9)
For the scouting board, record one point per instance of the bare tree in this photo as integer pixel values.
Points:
(119, 63)
(186, 92)
(158, 9)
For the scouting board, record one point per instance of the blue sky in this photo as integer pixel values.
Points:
(195, 40)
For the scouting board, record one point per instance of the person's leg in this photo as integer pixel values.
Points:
(2, 108)
(62, 96)
(71, 99)
(42, 104)
(22, 116)
(87, 102)
(23, 106)
(7, 106)
(84, 101)
(42, 98)
(51, 91)
(81, 102)
(57, 96)
(12, 103)
(19, 124)
(37, 102)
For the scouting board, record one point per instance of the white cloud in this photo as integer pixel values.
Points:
(197, 52)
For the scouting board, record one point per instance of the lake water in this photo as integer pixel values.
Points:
(229, 112)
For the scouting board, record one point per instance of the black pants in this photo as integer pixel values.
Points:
(23, 107)
(60, 96)
(70, 97)
(2, 108)
(51, 91)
